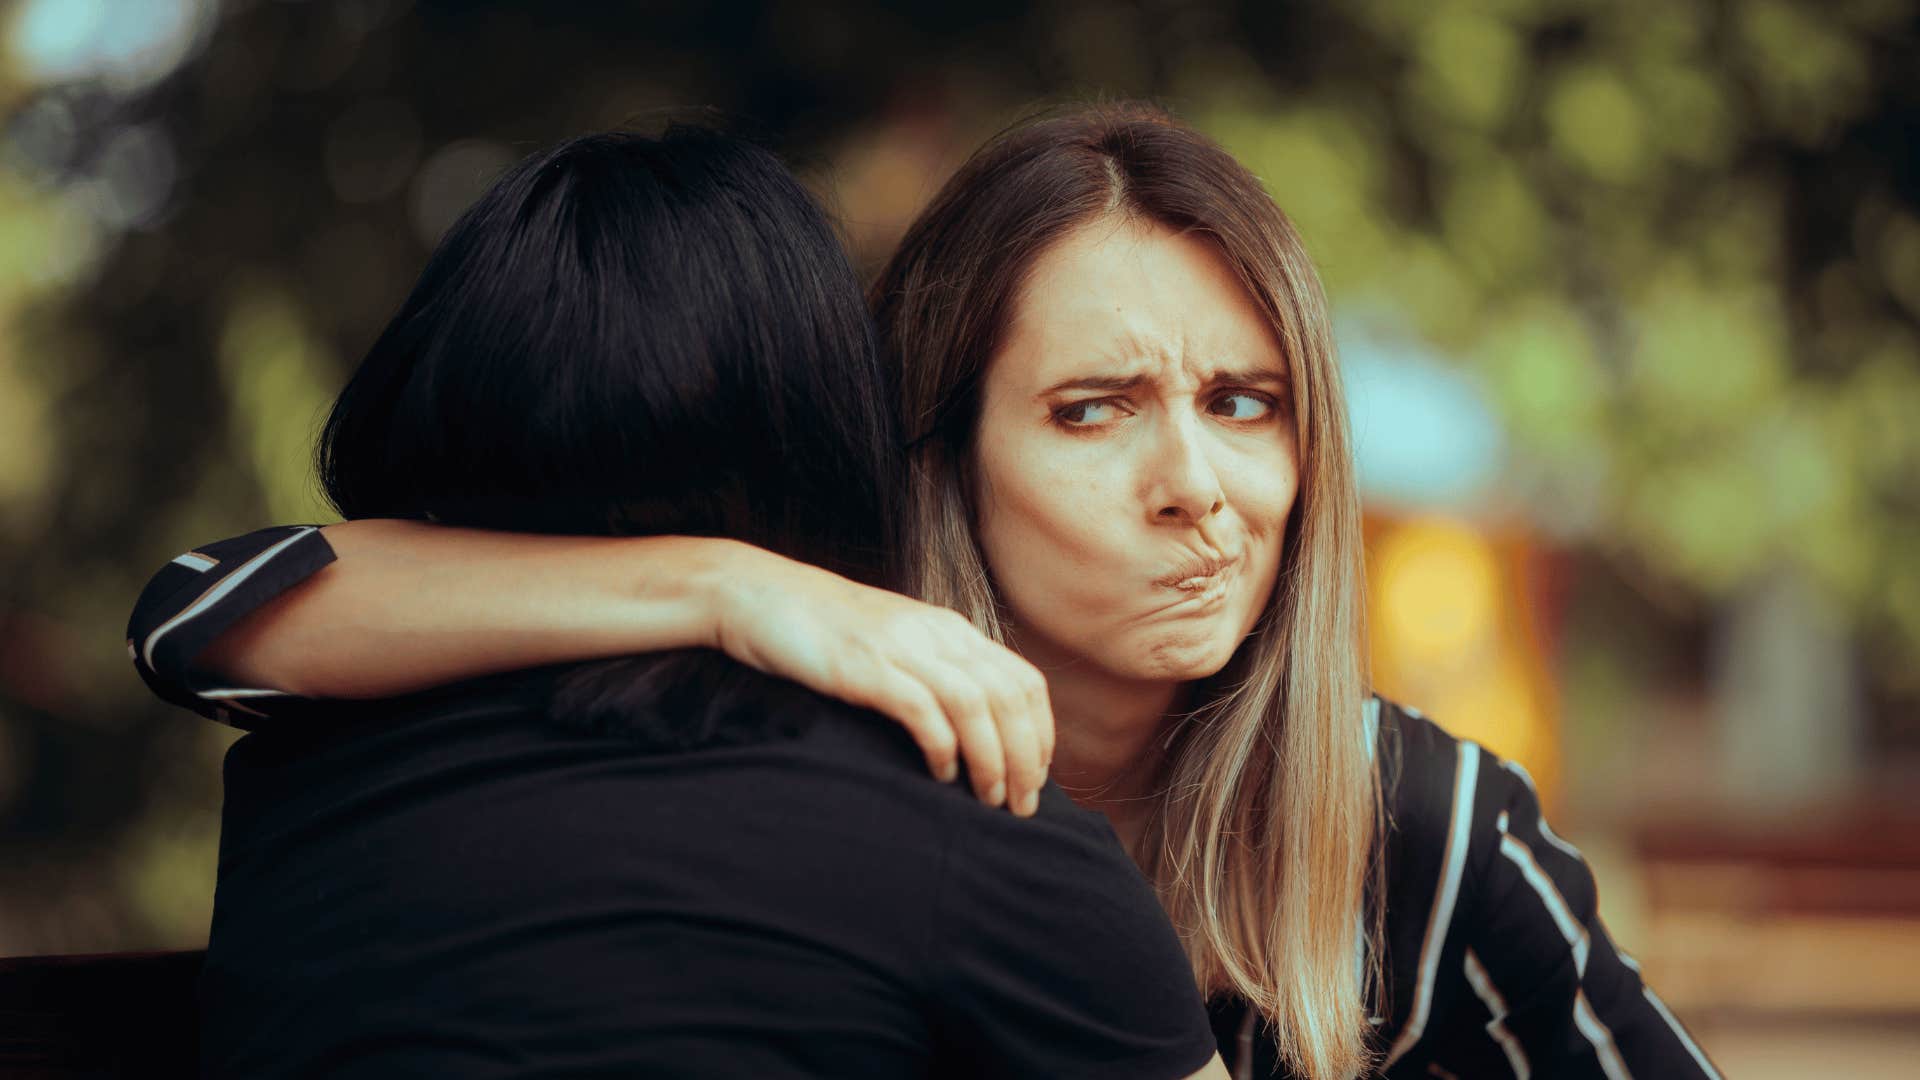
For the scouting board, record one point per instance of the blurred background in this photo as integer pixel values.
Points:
(1628, 297)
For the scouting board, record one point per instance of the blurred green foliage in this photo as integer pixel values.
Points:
(1678, 242)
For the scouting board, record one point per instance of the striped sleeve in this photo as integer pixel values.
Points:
(194, 599)
(1546, 991)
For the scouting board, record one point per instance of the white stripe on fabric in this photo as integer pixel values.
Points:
(231, 706)
(197, 562)
(1360, 952)
(1522, 856)
(1553, 838)
(1546, 830)
(237, 692)
(1497, 1027)
(1466, 775)
(1686, 1040)
(1584, 1017)
(1370, 725)
(218, 592)
(1653, 999)
(1596, 1032)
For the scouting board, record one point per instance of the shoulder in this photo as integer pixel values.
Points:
(1466, 836)
(1060, 842)
(1049, 949)
(1435, 785)
(1448, 801)
(1444, 798)
(1422, 769)
(840, 737)
(1429, 784)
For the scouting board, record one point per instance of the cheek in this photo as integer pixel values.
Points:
(1264, 491)
(1043, 525)
(1264, 485)
(1266, 498)
(1030, 508)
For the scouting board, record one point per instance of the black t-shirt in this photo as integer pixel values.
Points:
(1498, 959)
(456, 887)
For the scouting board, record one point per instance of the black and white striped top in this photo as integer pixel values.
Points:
(1497, 961)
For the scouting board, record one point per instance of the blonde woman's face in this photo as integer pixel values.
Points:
(1135, 461)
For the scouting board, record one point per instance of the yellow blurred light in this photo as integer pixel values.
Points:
(1452, 636)
(1437, 586)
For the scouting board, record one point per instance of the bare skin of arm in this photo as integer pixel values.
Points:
(409, 606)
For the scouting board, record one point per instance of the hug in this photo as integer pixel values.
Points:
(596, 739)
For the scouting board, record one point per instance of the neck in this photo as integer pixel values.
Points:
(1106, 753)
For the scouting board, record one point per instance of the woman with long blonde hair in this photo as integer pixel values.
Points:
(1132, 476)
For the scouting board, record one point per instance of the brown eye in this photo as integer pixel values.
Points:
(1242, 406)
(1087, 413)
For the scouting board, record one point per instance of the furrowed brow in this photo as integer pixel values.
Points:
(1112, 383)
(1256, 376)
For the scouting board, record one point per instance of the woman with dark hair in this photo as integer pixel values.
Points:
(1129, 460)
(672, 864)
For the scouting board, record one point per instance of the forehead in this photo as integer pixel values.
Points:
(1125, 293)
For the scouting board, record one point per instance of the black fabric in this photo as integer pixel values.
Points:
(119, 1014)
(454, 886)
(1517, 976)
(1571, 1003)
(194, 599)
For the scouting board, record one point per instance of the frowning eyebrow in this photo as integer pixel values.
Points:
(1218, 377)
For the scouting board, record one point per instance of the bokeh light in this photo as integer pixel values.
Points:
(128, 44)
(1627, 297)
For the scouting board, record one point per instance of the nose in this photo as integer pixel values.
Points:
(1183, 487)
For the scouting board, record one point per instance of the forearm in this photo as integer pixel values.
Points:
(409, 606)
(370, 609)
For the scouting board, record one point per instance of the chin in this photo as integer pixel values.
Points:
(1178, 658)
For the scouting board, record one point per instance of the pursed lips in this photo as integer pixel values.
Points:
(1199, 574)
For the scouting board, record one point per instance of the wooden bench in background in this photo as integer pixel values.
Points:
(114, 1015)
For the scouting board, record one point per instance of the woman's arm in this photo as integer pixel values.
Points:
(408, 606)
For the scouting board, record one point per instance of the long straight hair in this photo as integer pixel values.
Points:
(1263, 844)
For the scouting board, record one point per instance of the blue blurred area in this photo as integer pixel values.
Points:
(1425, 435)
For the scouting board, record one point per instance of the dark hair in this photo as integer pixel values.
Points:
(632, 335)
(635, 335)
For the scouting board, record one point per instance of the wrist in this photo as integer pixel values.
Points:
(721, 577)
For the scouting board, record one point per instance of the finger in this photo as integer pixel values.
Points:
(968, 711)
(1025, 771)
(1042, 698)
(1020, 737)
(900, 696)
(1038, 703)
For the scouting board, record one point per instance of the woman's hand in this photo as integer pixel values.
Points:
(954, 689)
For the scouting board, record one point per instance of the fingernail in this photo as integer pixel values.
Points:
(949, 772)
(1029, 803)
(997, 794)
